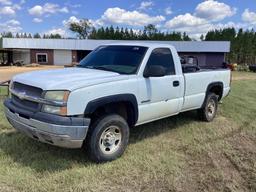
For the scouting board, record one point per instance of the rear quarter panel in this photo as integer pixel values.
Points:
(196, 85)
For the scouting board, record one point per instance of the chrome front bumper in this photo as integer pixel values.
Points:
(67, 136)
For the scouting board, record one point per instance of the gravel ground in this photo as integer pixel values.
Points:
(7, 73)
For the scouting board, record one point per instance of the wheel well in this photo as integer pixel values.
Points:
(217, 89)
(123, 108)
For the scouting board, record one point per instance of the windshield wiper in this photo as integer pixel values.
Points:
(104, 69)
(99, 68)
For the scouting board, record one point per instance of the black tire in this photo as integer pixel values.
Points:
(97, 147)
(209, 110)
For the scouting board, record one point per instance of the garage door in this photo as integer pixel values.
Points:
(62, 57)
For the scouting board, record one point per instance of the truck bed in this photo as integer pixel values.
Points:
(196, 84)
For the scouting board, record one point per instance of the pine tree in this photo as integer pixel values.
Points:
(37, 36)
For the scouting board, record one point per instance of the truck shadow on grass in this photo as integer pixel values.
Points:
(43, 157)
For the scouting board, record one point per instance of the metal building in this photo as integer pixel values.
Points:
(66, 51)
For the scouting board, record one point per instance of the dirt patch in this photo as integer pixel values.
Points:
(244, 78)
(236, 76)
(229, 166)
(7, 73)
(242, 156)
(6, 188)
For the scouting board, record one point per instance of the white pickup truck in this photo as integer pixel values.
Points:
(113, 89)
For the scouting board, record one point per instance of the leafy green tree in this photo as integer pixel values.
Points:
(150, 30)
(82, 28)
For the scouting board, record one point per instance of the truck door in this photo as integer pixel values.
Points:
(160, 96)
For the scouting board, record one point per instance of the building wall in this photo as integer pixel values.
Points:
(22, 55)
(215, 59)
(62, 57)
(34, 52)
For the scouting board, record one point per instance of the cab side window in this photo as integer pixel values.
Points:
(162, 57)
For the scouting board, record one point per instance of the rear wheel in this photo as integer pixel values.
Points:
(209, 109)
(107, 138)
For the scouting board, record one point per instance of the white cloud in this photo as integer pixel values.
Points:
(72, 5)
(196, 26)
(186, 20)
(36, 10)
(11, 26)
(168, 11)
(54, 31)
(214, 10)
(47, 8)
(7, 10)
(96, 23)
(249, 16)
(203, 19)
(134, 18)
(5, 2)
(37, 20)
(64, 10)
(13, 22)
(71, 19)
(146, 5)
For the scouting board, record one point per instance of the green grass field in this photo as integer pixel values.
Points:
(174, 154)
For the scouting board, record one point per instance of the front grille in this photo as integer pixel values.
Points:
(29, 90)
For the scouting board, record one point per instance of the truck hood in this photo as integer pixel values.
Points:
(67, 79)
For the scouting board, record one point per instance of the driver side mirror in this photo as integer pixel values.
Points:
(154, 71)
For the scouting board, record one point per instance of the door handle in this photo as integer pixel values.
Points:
(176, 83)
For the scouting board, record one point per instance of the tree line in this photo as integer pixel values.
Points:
(148, 33)
(84, 30)
(243, 44)
(29, 35)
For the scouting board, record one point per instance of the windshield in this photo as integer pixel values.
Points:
(116, 58)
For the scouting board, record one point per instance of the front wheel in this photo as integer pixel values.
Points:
(107, 138)
(209, 110)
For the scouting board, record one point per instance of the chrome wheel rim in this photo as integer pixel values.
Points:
(211, 108)
(110, 140)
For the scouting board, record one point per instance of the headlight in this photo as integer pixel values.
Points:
(56, 96)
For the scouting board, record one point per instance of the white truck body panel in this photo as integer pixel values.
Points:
(196, 85)
(156, 97)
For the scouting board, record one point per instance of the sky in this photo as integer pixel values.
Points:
(195, 17)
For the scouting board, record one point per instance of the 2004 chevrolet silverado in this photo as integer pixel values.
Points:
(114, 88)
